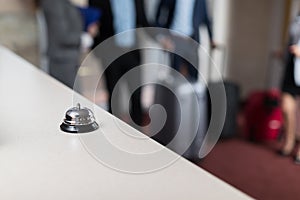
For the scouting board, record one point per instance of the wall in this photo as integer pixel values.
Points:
(18, 29)
(16, 6)
(255, 30)
(248, 32)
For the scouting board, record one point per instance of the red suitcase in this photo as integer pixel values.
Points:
(263, 115)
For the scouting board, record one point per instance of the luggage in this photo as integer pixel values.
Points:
(232, 101)
(262, 112)
(263, 115)
(232, 107)
(186, 123)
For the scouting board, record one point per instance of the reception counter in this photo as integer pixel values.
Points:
(39, 161)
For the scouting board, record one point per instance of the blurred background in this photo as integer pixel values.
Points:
(250, 30)
(253, 35)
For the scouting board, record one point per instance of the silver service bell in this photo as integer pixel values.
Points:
(79, 120)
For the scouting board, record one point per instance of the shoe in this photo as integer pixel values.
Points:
(297, 160)
(283, 153)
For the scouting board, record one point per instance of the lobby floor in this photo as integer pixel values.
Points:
(255, 169)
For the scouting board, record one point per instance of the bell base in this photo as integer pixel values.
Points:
(79, 128)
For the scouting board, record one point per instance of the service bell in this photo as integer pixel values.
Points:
(79, 120)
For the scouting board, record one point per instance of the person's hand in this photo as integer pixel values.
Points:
(167, 43)
(213, 45)
(86, 42)
(295, 49)
(93, 29)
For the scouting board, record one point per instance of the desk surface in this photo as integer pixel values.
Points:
(38, 161)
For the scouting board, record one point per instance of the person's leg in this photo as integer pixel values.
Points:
(297, 158)
(289, 111)
(193, 67)
(298, 118)
(109, 86)
(136, 107)
(131, 61)
(112, 75)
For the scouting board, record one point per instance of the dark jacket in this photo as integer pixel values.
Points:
(64, 27)
(166, 11)
(106, 22)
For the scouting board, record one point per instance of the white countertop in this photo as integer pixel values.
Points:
(39, 161)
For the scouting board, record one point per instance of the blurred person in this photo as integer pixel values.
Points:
(291, 90)
(184, 17)
(119, 16)
(90, 18)
(64, 28)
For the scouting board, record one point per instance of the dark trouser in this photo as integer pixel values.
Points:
(64, 72)
(114, 72)
(188, 58)
(178, 62)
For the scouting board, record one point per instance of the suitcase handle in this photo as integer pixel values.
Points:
(223, 49)
(270, 69)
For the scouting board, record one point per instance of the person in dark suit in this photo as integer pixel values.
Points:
(184, 17)
(106, 22)
(114, 17)
(64, 26)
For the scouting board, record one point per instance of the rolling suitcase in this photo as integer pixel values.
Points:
(186, 108)
(263, 115)
(262, 111)
(232, 101)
